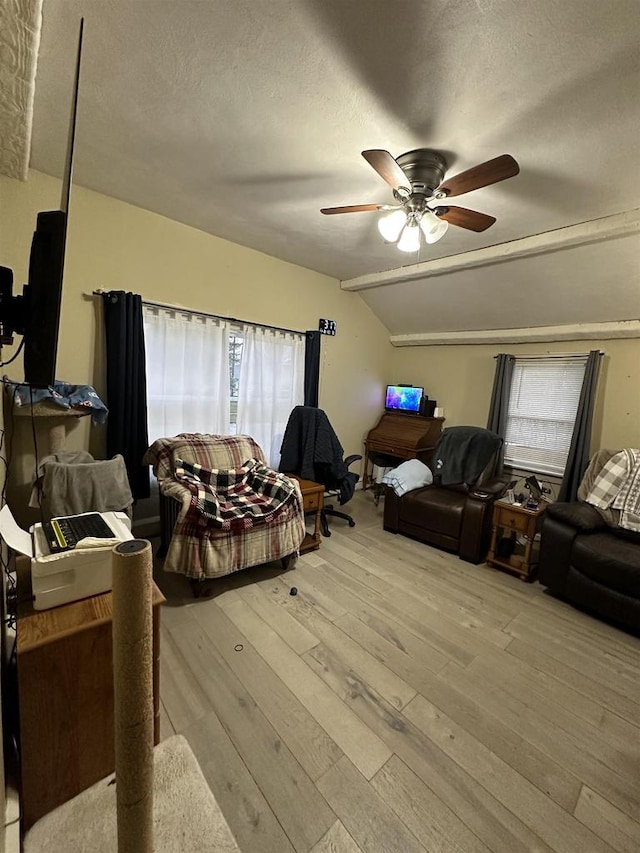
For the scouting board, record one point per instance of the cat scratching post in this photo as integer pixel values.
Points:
(133, 694)
(107, 817)
(56, 422)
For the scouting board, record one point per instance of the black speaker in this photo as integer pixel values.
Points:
(427, 407)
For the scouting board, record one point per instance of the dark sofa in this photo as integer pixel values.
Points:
(588, 559)
(591, 564)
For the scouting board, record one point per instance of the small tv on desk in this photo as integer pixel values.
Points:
(403, 398)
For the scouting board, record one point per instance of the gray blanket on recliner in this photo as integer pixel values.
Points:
(462, 453)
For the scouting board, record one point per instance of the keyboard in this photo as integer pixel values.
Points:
(63, 534)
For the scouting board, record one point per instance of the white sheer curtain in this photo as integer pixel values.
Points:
(188, 387)
(271, 384)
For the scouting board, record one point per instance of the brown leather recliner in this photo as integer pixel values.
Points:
(455, 517)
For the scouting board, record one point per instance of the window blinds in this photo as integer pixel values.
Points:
(542, 410)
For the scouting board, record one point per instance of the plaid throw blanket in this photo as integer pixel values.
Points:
(200, 550)
(210, 451)
(618, 486)
(235, 498)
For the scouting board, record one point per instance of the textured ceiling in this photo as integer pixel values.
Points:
(244, 118)
(19, 40)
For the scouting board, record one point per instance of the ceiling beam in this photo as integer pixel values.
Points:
(573, 332)
(607, 228)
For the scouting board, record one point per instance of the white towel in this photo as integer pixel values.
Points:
(410, 475)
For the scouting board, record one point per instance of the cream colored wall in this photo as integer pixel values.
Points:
(460, 378)
(113, 245)
(116, 245)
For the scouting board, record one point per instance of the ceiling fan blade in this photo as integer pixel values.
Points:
(473, 220)
(498, 169)
(352, 208)
(387, 168)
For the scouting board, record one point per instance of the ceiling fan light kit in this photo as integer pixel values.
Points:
(404, 228)
(410, 238)
(417, 180)
(433, 228)
(391, 225)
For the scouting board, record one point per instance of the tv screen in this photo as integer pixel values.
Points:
(42, 299)
(36, 314)
(403, 398)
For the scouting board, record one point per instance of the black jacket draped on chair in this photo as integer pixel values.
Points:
(311, 449)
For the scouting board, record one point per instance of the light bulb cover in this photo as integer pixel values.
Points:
(410, 238)
(392, 224)
(433, 227)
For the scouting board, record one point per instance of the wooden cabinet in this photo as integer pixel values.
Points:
(313, 501)
(65, 691)
(511, 524)
(400, 436)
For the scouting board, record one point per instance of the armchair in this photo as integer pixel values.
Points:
(200, 550)
(455, 516)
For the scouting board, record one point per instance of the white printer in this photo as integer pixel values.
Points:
(58, 578)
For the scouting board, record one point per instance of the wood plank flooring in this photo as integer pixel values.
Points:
(403, 702)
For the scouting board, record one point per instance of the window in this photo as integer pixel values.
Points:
(542, 410)
(212, 375)
(271, 383)
(187, 357)
(236, 342)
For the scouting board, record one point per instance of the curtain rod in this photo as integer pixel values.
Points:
(534, 355)
(180, 308)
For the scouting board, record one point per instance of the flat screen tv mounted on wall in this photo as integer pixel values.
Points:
(403, 398)
(36, 314)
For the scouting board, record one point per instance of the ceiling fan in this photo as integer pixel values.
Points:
(417, 180)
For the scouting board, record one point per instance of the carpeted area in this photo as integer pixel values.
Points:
(186, 815)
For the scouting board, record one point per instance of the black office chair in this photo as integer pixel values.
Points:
(311, 449)
(337, 491)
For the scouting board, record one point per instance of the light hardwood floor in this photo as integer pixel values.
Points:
(403, 701)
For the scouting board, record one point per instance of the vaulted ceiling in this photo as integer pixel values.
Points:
(243, 118)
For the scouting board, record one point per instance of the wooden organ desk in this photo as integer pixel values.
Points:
(400, 436)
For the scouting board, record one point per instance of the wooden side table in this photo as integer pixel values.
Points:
(65, 691)
(511, 520)
(312, 501)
